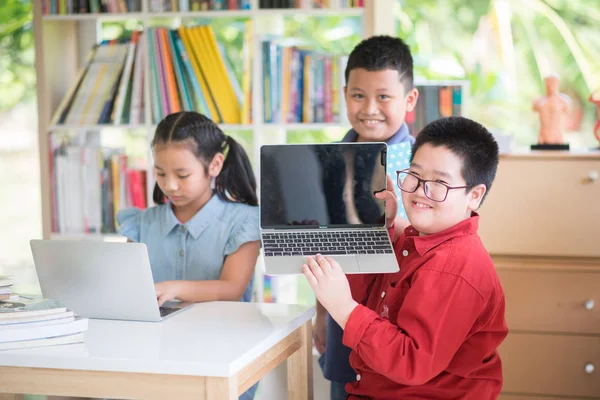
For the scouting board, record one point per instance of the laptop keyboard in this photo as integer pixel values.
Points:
(326, 243)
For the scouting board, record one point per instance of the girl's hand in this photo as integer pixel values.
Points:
(166, 291)
(391, 202)
(331, 287)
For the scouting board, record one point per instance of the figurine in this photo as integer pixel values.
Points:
(552, 108)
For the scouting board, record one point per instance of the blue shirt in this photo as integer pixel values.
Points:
(335, 361)
(197, 249)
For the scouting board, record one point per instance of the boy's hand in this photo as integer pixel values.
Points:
(166, 291)
(331, 287)
(391, 202)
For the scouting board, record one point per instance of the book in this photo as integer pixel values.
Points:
(14, 310)
(35, 318)
(27, 331)
(31, 324)
(6, 280)
(54, 341)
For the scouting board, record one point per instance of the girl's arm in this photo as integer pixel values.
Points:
(235, 276)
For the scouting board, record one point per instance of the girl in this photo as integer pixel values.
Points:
(203, 237)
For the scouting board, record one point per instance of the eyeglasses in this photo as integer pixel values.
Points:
(434, 190)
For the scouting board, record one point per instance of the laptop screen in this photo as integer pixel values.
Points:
(322, 185)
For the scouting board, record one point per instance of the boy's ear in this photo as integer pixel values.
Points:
(345, 90)
(411, 99)
(475, 197)
(216, 165)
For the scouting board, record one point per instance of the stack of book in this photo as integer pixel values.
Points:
(311, 4)
(61, 7)
(6, 283)
(190, 70)
(301, 85)
(109, 89)
(198, 5)
(436, 100)
(90, 185)
(38, 323)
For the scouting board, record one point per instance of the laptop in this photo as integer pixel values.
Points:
(320, 198)
(96, 279)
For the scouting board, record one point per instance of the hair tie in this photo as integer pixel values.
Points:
(225, 146)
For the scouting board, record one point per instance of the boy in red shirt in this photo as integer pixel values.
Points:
(431, 330)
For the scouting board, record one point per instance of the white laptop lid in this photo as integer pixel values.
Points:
(303, 186)
(97, 279)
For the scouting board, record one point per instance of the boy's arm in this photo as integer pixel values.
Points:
(435, 318)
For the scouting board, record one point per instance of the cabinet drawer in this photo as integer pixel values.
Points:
(552, 301)
(543, 206)
(551, 365)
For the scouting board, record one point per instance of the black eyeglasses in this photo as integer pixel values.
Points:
(434, 190)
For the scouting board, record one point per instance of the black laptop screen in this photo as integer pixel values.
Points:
(322, 185)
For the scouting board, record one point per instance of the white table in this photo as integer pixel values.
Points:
(209, 351)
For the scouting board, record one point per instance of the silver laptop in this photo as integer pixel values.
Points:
(96, 279)
(320, 198)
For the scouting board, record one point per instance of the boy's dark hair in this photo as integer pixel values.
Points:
(236, 182)
(379, 53)
(470, 141)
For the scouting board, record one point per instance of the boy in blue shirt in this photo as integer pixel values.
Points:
(379, 91)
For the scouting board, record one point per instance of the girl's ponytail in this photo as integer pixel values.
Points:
(236, 180)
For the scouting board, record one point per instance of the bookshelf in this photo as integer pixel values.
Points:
(62, 44)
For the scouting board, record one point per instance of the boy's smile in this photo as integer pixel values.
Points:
(440, 164)
(376, 103)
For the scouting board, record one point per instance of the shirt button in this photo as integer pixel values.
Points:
(382, 295)
(181, 253)
(183, 229)
(358, 377)
(404, 253)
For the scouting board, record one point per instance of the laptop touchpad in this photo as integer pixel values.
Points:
(349, 264)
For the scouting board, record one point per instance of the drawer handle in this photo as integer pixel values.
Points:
(589, 305)
(589, 368)
(593, 176)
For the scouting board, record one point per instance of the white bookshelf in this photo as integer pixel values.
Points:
(62, 43)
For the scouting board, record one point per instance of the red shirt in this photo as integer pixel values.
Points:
(431, 330)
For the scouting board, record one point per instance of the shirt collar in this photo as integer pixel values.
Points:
(403, 135)
(425, 243)
(213, 208)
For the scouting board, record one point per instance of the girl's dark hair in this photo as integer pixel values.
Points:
(236, 182)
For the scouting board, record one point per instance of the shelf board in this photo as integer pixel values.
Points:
(236, 127)
(225, 127)
(92, 17)
(55, 128)
(109, 237)
(314, 12)
(201, 14)
(305, 126)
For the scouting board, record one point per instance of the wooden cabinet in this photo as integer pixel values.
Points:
(541, 224)
(543, 205)
(548, 364)
(547, 296)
